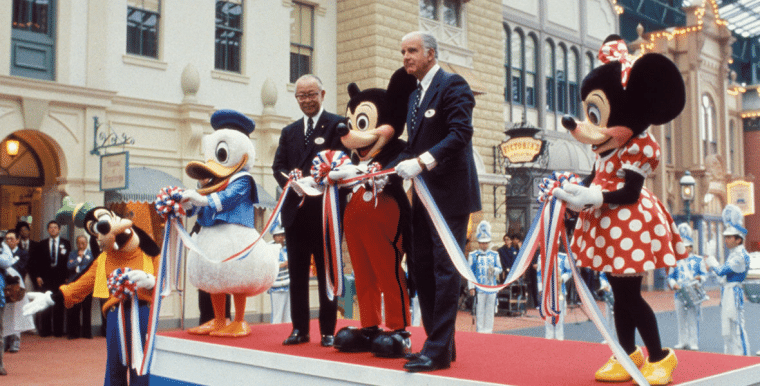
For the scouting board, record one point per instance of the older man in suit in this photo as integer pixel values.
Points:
(299, 144)
(48, 270)
(439, 150)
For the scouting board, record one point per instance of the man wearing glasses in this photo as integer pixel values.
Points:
(299, 144)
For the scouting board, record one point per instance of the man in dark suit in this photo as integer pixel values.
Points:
(299, 144)
(48, 270)
(439, 150)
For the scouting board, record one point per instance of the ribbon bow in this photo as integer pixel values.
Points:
(617, 50)
(168, 202)
(548, 184)
(323, 163)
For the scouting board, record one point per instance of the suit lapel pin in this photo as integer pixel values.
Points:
(429, 113)
(319, 140)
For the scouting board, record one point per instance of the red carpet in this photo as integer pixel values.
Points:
(495, 358)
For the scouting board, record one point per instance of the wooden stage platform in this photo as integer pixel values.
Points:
(482, 359)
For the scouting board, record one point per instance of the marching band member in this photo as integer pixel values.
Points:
(486, 265)
(735, 271)
(554, 328)
(609, 303)
(683, 274)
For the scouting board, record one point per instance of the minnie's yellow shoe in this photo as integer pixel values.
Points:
(660, 373)
(613, 371)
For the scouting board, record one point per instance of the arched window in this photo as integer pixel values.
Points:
(517, 67)
(560, 68)
(531, 69)
(507, 62)
(589, 62)
(549, 71)
(708, 123)
(573, 88)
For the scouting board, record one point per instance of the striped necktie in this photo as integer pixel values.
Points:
(416, 107)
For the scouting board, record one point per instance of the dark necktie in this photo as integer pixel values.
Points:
(309, 131)
(53, 252)
(416, 107)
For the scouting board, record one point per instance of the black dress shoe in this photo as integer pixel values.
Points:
(296, 337)
(327, 340)
(423, 363)
(412, 356)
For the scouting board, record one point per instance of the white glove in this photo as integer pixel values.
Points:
(580, 197)
(346, 171)
(712, 262)
(409, 169)
(307, 186)
(380, 182)
(38, 301)
(142, 279)
(193, 198)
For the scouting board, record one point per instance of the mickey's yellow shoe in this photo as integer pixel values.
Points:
(613, 371)
(660, 373)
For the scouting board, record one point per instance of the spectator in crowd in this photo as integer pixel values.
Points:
(14, 321)
(48, 270)
(279, 293)
(79, 316)
(505, 256)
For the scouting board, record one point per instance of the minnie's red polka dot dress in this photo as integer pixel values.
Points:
(631, 238)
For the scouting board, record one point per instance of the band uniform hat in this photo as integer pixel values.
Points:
(483, 233)
(277, 229)
(733, 220)
(231, 119)
(685, 231)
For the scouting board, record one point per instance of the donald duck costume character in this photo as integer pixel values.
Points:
(224, 206)
(486, 265)
(684, 273)
(734, 271)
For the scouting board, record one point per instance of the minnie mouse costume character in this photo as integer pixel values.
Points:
(622, 228)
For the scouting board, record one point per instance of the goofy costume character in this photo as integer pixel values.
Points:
(128, 253)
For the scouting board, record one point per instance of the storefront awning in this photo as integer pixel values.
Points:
(145, 183)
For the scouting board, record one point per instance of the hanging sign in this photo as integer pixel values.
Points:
(114, 173)
(742, 194)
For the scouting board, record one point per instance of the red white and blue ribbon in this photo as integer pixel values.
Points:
(124, 289)
(325, 162)
(545, 232)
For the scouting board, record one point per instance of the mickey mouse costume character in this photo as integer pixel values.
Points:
(224, 206)
(376, 220)
(126, 249)
(622, 228)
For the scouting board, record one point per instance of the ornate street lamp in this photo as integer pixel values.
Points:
(687, 183)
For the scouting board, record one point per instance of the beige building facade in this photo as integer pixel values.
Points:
(524, 61)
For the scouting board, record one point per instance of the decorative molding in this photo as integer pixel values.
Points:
(230, 76)
(144, 62)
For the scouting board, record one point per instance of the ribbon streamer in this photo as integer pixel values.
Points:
(545, 230)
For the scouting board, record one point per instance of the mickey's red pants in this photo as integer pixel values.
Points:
(374, 243)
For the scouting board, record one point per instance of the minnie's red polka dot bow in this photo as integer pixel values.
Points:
(617, 50)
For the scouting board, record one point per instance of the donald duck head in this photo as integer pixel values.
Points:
(227, 151)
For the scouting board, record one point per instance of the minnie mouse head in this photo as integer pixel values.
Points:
(624, 96)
